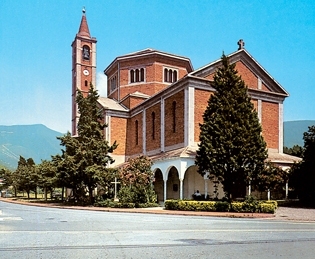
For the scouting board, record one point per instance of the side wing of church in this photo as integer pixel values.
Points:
(154, 105)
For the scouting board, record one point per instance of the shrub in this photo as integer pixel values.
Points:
(222, 206)
(237, 206)
(275, 203)
(208, 206)
(267, 207)
(171, 204)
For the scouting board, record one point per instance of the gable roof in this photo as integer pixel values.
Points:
(111, 104)
(243, 56)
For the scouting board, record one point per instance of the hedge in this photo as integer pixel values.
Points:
(113, 204)
(222, 206)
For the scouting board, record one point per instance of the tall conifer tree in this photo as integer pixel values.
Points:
(86, 157)
(231, 147)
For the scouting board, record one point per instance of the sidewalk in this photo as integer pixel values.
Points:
(155, 210)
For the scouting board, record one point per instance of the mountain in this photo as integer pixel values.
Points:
(293, 132)
(30, 141)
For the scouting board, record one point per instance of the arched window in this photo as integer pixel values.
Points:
(170, 76)
(132, 76)
(165, 75)
(137, 132)
(137, 75)
(85, 83)
(142, 75)
(153, 125)
(174, 76)
(174, 116)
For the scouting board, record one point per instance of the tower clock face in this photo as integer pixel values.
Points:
(86, 72)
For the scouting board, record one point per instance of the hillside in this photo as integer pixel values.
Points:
(30, 141)
(293, 132)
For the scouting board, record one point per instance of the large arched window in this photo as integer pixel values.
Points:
(174, 116)
(153, 125)
(137, 132)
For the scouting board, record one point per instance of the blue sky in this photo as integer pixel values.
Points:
(36, 37)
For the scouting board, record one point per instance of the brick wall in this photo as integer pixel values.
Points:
(270, 124)
(201, 102)
(118, 127)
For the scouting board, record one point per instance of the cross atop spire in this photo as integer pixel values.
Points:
(84, 28)
(240, 44)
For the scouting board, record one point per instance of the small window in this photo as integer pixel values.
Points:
(85, 83)
(132, 76)
(113, 83)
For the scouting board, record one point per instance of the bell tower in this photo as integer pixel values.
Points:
(83, 66)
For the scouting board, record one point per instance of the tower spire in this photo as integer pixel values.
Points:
(84, 28)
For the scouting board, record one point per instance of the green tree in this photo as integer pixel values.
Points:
(303, 174)
(6, 177)
(137, 181)
(26, 176)
(272, 178)
(231, 147)
(296, 150)
(86, 157)
(47, 176)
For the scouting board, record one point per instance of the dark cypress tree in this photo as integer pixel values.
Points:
(231, 147)
(86, 157)
(303, 173)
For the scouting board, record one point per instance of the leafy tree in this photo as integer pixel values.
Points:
(85, 159)
(272, 178)
(47, 176)
(6, 177)
(26, 176)
(296, 150)
(303, 174)
(137, 178)
(231, 147)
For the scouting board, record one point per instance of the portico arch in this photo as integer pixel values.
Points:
(159, 185)
(173, 183)
(193, 181)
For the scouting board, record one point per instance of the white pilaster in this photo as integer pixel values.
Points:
(144, 130)
(189, 116)
(181, 189)
(162, 125)
(259, 108)
(165, 190)
(281, 128)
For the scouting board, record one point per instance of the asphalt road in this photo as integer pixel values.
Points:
(39, 232)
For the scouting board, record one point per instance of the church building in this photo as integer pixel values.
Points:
(155, 103)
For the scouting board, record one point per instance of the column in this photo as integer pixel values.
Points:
(165, 190)
(181, 189)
